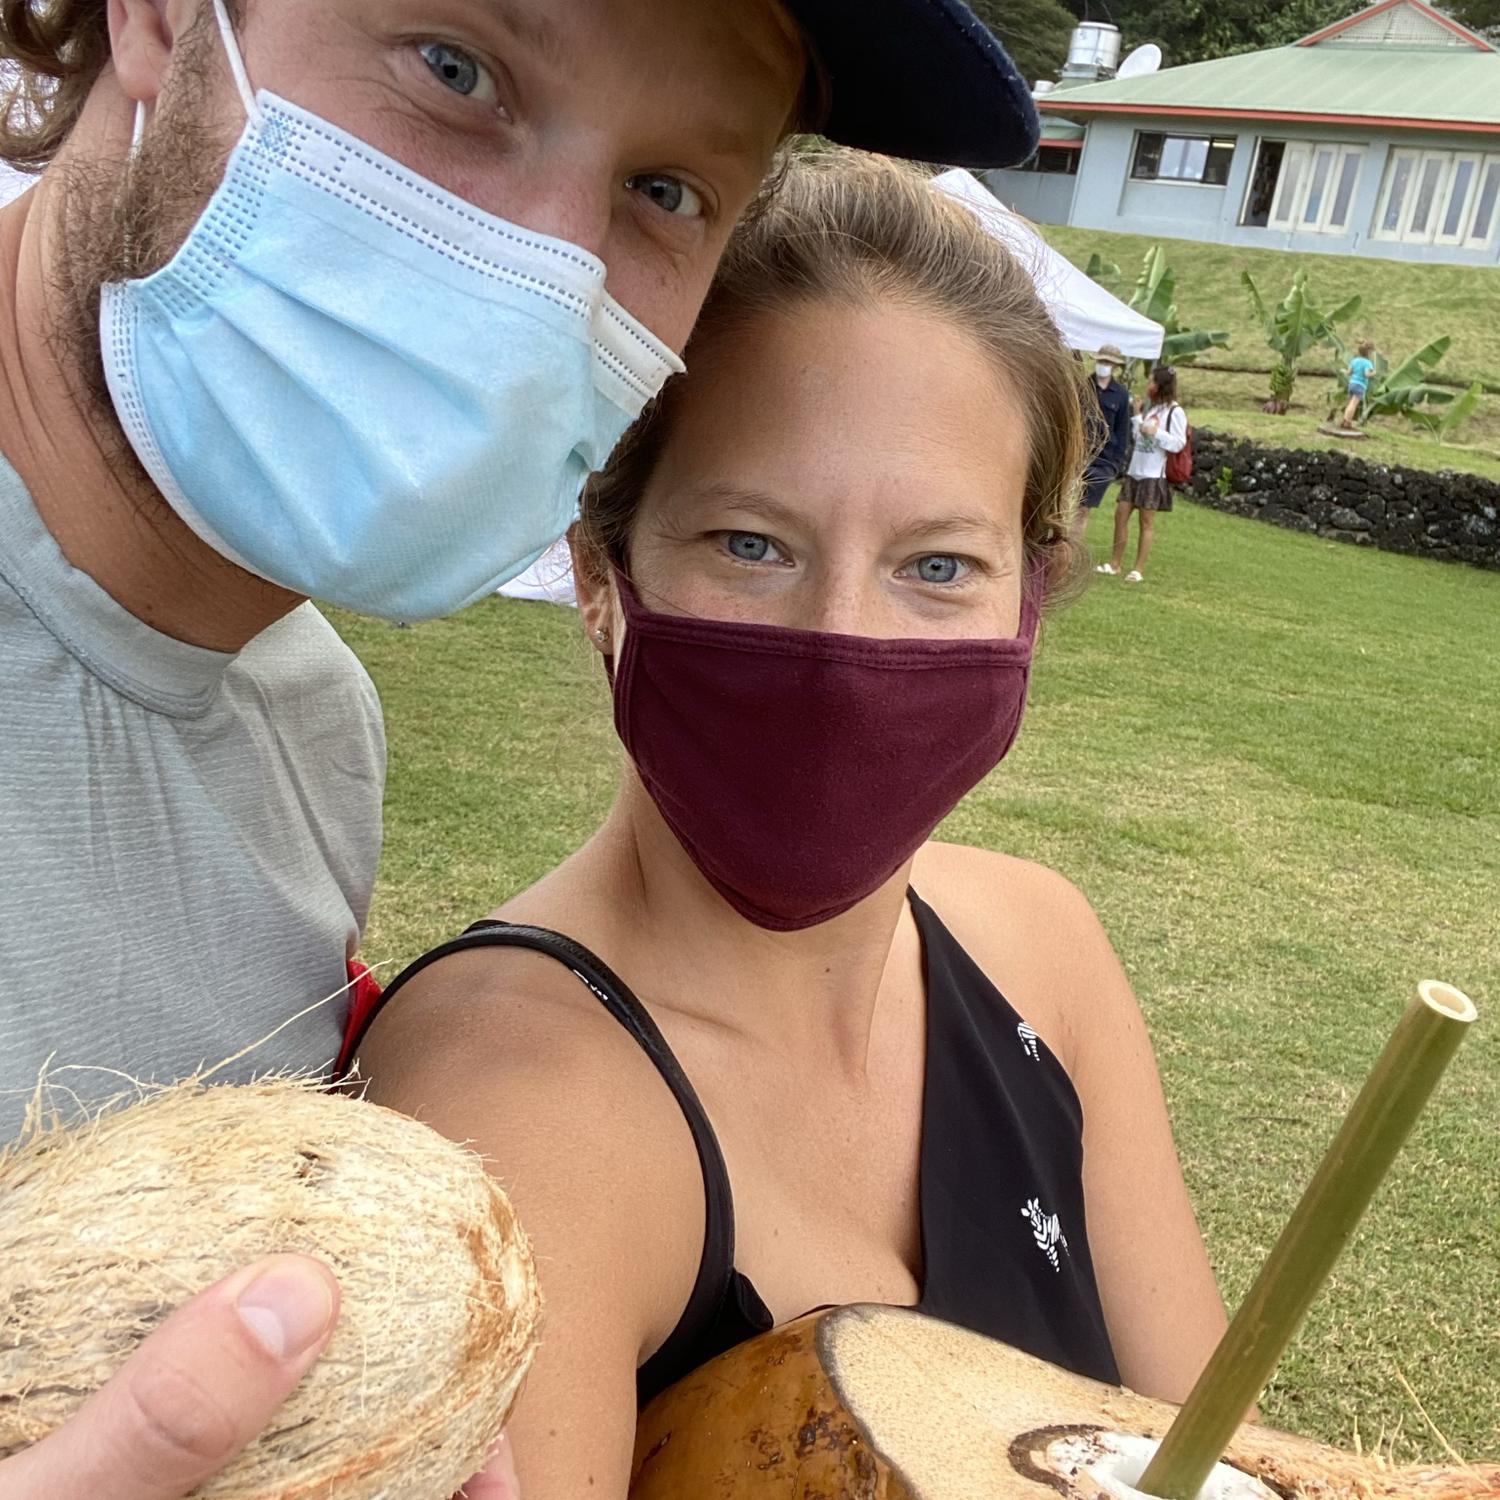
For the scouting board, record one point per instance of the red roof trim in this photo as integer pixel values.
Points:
(1477, 42)
(1207, 112)
(1074, 144)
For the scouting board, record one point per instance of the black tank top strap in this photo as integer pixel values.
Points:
(716, 1269)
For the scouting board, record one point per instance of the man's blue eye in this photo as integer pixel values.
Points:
(456, 70)
(939, 568)
(670, 194)
(748, 546)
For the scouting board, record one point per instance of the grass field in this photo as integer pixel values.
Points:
(1274, 768)
(1405, 307)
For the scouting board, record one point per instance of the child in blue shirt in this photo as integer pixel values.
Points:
(1361, 372)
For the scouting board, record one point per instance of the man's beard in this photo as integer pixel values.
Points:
(125, 220)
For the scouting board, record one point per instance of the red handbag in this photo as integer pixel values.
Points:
(1180, 463)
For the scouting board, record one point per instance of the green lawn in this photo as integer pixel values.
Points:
(1405, 307)
(1275, 768)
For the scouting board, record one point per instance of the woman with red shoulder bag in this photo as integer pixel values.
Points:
(1161, 432)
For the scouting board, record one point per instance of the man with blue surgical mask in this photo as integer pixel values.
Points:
(1108, 463)
(337, 299)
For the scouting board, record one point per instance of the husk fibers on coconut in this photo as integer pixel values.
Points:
(109, 1224)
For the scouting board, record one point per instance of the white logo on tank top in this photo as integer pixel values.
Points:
(1029, 1041)
(1046, 1230)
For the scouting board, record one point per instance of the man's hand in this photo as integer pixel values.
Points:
(194, 1394)
(497, 1481)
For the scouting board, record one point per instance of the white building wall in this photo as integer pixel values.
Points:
(1042, 197)
(1105, 197)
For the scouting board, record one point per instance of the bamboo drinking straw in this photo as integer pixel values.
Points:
(1424, 1042)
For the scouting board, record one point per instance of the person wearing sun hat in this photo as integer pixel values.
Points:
(338, 300)
(1112, 432)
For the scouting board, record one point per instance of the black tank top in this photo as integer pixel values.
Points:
(1004, 1244)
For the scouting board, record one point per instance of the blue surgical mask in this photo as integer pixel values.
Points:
(360, 387)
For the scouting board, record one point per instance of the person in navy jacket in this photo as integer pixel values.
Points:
(1114, 411)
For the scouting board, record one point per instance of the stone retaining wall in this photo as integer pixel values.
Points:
(1447, 515)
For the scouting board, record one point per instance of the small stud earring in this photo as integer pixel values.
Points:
(601, 636)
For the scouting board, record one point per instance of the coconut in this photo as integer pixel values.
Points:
(108, 1224)
(882, 1403)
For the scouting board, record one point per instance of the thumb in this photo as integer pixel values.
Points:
(497, 1480)
(193, 1395)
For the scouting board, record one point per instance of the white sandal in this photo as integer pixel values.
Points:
(1134, 576)
(1109, 568)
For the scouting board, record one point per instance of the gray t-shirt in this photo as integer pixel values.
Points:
(188, 838)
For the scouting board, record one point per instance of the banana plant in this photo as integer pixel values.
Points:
(1154, 296)
(1105, 272)
(1295, 325)
(1442, 420)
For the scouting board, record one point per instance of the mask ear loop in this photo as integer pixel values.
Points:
(137, 130)
(236, 68)
(237, 64)
(241, 82)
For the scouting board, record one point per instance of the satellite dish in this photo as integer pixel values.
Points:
(1146, 59)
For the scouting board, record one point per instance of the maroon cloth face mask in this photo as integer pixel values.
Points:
(801, 770)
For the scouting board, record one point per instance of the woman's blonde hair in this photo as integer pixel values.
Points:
(860, 229)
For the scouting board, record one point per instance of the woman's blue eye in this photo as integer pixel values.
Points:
(748, 546)
(456, 70)
(938, 568)
(670, 194)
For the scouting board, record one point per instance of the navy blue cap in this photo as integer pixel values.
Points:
(919, 78)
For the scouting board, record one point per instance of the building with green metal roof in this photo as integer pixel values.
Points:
(1379, 135)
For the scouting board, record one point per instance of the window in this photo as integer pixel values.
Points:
(1482, 229)
(1439, 197)
(1450, 231)
(1304, 186)
(1431, 171)
(1317, 187)
(1263, 179)
(1393, 200)
(1343, 195)
(1293, 166)
(1181, 158)
(1054, 159)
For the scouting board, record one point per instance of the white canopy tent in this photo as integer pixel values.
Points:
(1086, 315)
(549, 580)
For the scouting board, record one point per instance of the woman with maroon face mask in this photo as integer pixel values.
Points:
(762, 1045)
